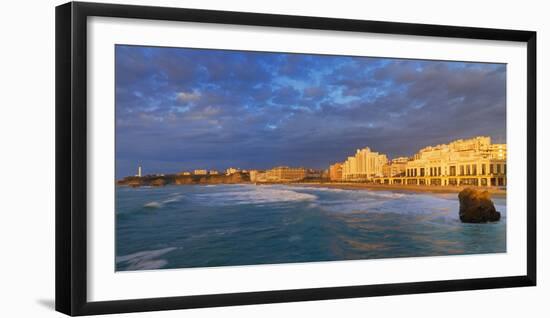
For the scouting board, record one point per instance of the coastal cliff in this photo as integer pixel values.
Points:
(157, 181)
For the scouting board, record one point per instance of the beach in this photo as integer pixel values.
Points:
(497, 192)
(217, 180)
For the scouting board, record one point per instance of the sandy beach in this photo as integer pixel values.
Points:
(499, 192)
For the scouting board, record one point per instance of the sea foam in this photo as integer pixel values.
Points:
(159, 204)
(365, 201)
(144, 259)
(153, 205)
(253, 195)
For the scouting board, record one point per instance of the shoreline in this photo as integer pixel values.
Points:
(497, 192)
(396, 187)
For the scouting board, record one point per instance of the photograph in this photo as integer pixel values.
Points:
(235, 157)
(275, 159)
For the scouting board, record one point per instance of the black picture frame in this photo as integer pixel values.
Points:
(71, 157)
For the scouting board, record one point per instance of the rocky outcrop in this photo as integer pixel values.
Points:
(157, 181)
(477, 207)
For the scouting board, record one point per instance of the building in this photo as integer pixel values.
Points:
(498, 151)
(258, 176)
(253, 175)
(285, 174)
(335, 172)
(184, 173)
(230, 171)
(395, 168)
(200, 172)
(213, 172)
(138, 172)
(314, 174)
(348, 168)
(472, 162)
(364, 166)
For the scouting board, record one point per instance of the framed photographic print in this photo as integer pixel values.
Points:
(209, 158)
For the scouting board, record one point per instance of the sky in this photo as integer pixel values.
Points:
(180, 109)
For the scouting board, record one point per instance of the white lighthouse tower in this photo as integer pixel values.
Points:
(139, 172)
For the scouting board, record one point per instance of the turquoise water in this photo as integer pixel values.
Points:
(220, 225)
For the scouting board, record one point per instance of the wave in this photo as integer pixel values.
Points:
(145, 259)
(254, 195)
(389, 202)
(320, 189)
(352, 200)
(349, 192)
(389, 195)
(159, 204)
(173, 198)
(326, 199)
(153, 205)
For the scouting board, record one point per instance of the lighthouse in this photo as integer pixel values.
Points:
(139, 172)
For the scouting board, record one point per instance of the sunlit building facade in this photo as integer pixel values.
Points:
(278, 174)
(285, 174)
(364, 166)
(395, 167)
(472, 162)
(253, 174)
(258, 176)
(230, 171)
(335, 172)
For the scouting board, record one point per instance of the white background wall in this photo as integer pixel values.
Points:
(27, 158)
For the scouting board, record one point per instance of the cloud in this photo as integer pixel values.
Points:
(191, 108)
(286, 95)
(185, 97)
(314, 92)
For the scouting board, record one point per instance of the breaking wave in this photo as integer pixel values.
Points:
(145, 259)
(365, 201)
(159, 204)
(254, 195)
(153, 205)
(406, 204)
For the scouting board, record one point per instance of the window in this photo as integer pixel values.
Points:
(498, 168)
(421, 172)
(474, 170)
(452, 170)
(461, 170)
(491, 168)
(483, 169)
(438, 171)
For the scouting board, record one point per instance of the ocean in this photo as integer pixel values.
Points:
(226, 225)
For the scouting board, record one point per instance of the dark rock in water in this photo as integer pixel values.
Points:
(477, 207)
